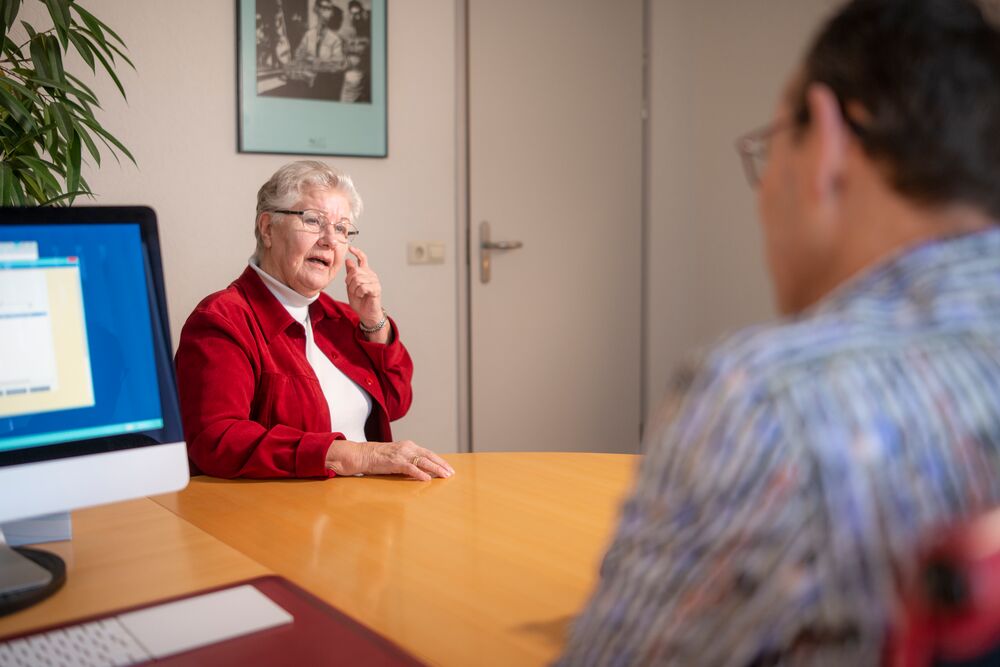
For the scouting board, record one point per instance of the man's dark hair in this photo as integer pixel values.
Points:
(354, 3)
(926, 76)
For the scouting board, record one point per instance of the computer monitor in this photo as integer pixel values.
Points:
(88, 398)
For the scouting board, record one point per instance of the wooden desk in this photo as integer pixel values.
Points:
(486, 568)
(127, 554)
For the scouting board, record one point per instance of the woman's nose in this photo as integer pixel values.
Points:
(328, 236)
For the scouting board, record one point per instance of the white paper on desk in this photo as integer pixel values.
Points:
(48, 528)
(172, 627)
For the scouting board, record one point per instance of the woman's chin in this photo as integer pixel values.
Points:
(310, 288)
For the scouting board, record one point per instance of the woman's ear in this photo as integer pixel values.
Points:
(830, 137)
(264, 223)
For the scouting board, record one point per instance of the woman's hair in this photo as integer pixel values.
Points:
(288, 183)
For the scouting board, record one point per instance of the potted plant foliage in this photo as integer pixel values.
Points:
(47, 117)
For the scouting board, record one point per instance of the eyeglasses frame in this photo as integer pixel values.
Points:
(352, 231)
(754, 145)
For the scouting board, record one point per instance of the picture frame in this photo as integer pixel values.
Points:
(312, 77)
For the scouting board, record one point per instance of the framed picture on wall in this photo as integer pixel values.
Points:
(312, 77)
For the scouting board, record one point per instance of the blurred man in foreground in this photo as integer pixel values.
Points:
(800, 464)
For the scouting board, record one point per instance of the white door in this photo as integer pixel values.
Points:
(555, 163)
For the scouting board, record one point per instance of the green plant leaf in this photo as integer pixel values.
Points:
(69, 89)
(34, 193)
(107, 137)
(24, 90)
(73, 164)
(111, 72)
(62, 119)
(70, 196)
(50, 134)
(5, 176)
(83, 48)
(39, 56)
(93, 25)
(96, 24)
(59, 11)
(28, 28)
(122, 55)
(47, 118)
(55, 58)
(89, 143)
(99, 42)
(27, 138)
(36, 163)
(7, 179)
(10, 49)
(15, 190)
(82, 86)
(8, 12)
(13, 106)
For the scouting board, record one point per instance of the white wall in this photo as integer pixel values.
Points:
(180, 123)
(717, 68)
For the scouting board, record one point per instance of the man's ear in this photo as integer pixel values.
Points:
(264, 223)
(829, 141)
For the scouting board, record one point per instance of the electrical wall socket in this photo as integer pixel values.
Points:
(425, 252)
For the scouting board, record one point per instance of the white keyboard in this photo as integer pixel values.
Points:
(104, 643)
(147, 634)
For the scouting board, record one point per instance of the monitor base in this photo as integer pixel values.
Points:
(28, 576)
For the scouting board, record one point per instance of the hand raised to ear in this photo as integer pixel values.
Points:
(364, 290)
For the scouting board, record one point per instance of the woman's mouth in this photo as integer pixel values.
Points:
(319, 261)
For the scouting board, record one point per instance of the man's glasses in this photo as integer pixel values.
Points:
(754, 147)
(315, 222)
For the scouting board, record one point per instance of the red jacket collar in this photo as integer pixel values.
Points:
(273, 317)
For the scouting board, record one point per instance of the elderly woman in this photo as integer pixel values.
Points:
(276, 379)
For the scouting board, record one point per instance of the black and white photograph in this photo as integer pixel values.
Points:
(312, 77)
(314, 49)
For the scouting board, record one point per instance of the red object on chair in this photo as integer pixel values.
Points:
(951, 612)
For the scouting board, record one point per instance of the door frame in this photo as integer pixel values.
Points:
(464, 268)
(463, 262)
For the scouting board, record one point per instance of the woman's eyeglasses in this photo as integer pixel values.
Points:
(315, 222)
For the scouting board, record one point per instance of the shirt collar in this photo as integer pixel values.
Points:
(282, 292)
(940, 267)
(272, 315)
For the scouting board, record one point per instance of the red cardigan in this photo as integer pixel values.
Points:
(251, 403)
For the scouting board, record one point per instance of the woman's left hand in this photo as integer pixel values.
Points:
(364, 292)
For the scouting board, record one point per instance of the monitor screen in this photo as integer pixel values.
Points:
(87, 388)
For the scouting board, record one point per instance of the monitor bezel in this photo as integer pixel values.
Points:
(85, 465)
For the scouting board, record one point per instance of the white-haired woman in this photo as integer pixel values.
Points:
(276, 379)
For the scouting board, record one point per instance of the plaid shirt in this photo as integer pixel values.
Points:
(798, 467)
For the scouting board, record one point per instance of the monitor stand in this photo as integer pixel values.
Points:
(27, 576)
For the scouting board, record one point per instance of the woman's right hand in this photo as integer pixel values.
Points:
(386, 458)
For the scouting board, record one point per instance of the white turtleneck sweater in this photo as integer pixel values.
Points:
(349, 404)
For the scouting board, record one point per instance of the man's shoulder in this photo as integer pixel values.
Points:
(778, 355)
(770, 347)
(770, 356)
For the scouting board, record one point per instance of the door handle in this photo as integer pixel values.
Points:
(487, 246)
(502, 245)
